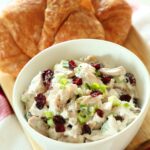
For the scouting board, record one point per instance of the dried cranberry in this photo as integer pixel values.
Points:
(125, 97)
(40, 101)
(96, 66)
(100, 113)
(47, 75)
(59, 128)
(95, 93)
(120, 118)
(58, 119)
(106, 79)
(130, 78)
(72, 64)
(86, 129)
(77, 81)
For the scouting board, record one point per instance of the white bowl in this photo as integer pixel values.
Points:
(110, 52)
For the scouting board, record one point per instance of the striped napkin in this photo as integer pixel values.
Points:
(11, 134)
(4, 104)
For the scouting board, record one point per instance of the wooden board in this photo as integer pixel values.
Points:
(136, 44)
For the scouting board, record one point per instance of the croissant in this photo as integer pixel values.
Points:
(80, 24)
(55, 14)
(115, 16)
(29, 26)
(24, 20)
(11, 56)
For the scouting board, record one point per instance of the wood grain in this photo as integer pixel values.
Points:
(136, 44)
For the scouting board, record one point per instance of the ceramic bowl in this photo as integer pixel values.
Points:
(108, 52)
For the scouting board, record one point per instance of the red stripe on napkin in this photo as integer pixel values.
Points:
(5, 108)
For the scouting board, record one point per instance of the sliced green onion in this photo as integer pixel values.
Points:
(79, 92)
(87, 86)
(128, 105)
(115, 101)
(83, 106)
(48, 114)
(85, 113)
(101, 87)
(50, 122)
(78, 69)
(92, 110)
(82, 119)
(118, 79)
(95, 86)
(97, 73)
(63, 81)
(65, 64)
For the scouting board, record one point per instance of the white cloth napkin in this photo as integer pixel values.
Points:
(11, 134)
(141, 21)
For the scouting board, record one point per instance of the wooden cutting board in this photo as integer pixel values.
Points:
(136, 44)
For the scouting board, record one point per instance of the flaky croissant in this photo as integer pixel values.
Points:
(115, 16)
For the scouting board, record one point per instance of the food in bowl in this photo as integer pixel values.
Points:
(80, 101)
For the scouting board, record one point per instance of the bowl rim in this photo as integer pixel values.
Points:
(144, 109)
